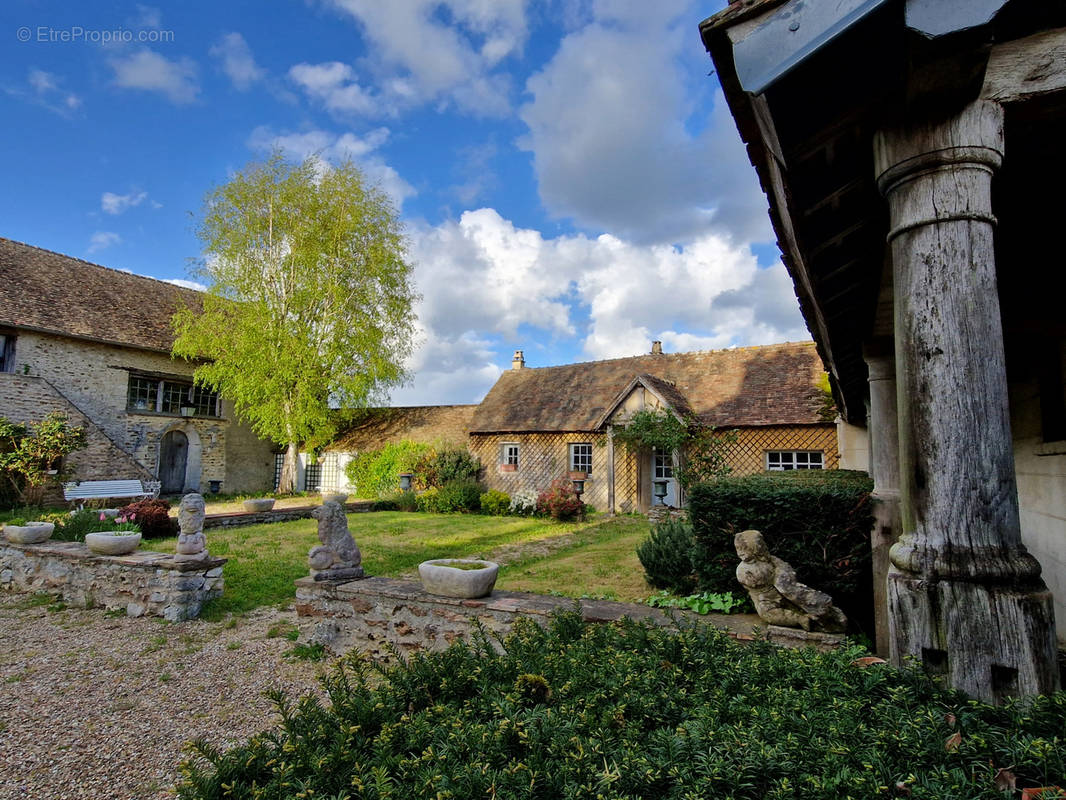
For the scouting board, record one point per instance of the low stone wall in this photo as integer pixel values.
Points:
(369, 613)
(280, 515)
(141, 583)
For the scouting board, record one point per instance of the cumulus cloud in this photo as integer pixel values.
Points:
(152, 72)
(199, 287)
(618, 144)
(45, 89)
(237, 61)
(336, 148)
(112, 203)
(101, 240)
(488, 285)
(418, 58)
(334, 85)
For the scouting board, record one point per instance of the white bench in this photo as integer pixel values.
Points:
(80, 491)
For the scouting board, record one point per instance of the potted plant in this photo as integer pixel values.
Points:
(21, 532)
(458, 577)
(124, 538)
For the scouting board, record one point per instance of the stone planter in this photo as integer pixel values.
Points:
(110, 544)
(335, 497)
(30, 533)
(458, 577)
(259, 504)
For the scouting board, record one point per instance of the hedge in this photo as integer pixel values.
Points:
(818, 521)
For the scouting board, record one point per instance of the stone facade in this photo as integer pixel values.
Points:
(141, 583)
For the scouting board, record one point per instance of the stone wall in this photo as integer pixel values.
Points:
(141, 583)
(237, 518)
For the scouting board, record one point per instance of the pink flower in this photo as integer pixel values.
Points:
(103, 516)
(132, 516)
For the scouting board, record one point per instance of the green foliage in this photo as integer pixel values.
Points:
(32, 456)
(400, 501)
(495, 503)
(427, 500)
(819, 521)
(652, 428)
(310, 299)
(625, 711)
(307, 652)
(376, 473)
(445, 464)
(152, 517)
(459, 496)
(666, 556)
(560, 501)
(703, 448)
(702, 603)
(73, 527)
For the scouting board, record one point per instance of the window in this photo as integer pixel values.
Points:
(581, 458)
(279, 460)
(330, 473)
(170, 397)
(509, 455)
(780, 460)
(7, 352)
(312, 476)
(663, 466)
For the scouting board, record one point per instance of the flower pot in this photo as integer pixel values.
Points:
(335, 497)
(259, 504)
(578, 475)
(112, 544)
(458, 577)
(508, 467)
(30, 533)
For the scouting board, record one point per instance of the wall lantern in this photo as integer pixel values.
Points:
(405, 481)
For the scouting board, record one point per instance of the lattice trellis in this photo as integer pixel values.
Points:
(748, 454)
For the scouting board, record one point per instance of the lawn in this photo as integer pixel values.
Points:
(596, 557)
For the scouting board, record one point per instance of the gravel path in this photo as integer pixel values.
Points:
(93, 706)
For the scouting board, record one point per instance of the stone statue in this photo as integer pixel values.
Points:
(338, 557)
(778, 597)
(192, 544)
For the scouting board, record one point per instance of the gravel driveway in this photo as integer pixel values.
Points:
(94, 706)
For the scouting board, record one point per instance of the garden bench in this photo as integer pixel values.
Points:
(80, 491)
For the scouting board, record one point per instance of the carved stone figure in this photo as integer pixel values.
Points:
(192, 544)
(778, 597)
(338, 557)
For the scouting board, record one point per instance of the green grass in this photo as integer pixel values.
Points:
(265, 560)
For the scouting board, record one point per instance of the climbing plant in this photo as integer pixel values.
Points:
(703, 448)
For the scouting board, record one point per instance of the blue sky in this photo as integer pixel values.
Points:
(571, 180)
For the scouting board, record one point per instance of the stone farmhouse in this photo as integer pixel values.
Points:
(905, 148)
(538, 424)
(94, 343)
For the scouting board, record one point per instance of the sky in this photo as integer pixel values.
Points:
(569, 175)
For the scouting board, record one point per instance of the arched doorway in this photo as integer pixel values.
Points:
(173, 460)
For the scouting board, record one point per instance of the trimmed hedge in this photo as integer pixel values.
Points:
(623, 711)
(819, 521)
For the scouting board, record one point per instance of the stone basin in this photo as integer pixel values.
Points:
(108, 544)
(259, 504)
(335, 497)
(30, 533)
(458, 577)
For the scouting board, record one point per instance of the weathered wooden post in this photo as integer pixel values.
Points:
(965, 597)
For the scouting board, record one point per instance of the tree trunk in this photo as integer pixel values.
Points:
(287, 482)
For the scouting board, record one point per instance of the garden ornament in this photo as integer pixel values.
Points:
(192, 544)
(338, 557)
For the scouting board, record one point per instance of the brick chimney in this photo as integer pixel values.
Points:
(656, 348)
(518, 361)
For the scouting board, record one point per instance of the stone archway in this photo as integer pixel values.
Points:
(180, 455)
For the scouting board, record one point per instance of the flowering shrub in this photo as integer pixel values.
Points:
(560, 501)
(152, 516)
(524, 503)
(495, 502)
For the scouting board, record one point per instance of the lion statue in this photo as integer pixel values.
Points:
(338, 556)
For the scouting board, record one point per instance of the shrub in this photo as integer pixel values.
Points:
(459, 496)
(560, 501)
(73, 527)
(818, 521)
(405, 501)
(152, 517)
(442, 465)
(384, 504)
(524, 503)
(427, 500)
(495, 502)
(626, 711)
(377, 473)
(667, 557)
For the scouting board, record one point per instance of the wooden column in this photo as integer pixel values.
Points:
(884, 469)
(965, 598)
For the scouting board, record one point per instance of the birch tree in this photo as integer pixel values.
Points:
(309, 305)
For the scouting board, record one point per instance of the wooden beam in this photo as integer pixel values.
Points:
(1028, 68)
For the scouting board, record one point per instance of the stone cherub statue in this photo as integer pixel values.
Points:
(338, 557)
(778, 597)
(192, 544)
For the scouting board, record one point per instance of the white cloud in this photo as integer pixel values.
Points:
(334, 85)
(486, 284)
(101, 240)
(418, 58)
(153, 72)
(45, 90)
(147, 17)
(619, 142)
(335, 148)
(199, 287)
(112, 203)
(237, 60)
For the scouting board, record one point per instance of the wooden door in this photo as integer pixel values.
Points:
(173, 458)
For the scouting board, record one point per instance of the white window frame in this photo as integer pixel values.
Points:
(585, 464)
(662, 465)
(510, 453)
(785, 460)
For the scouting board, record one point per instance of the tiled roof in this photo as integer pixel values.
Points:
(52, 292)
(376, 427)
(774, 384)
